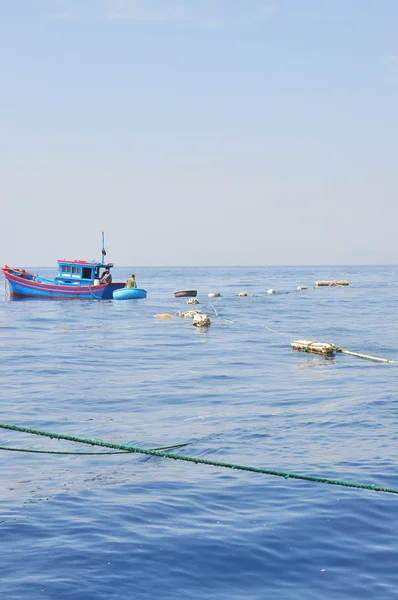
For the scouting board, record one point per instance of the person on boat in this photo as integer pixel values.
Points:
(106, 277)
(131, 282)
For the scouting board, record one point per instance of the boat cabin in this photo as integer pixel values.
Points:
(80, 272)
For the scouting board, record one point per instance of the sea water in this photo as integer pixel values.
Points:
(115, 526)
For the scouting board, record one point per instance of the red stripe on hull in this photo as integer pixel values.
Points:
(52, 290)
(65, 289)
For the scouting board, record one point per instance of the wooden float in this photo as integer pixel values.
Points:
(316, 347)
(331, 349)
(335, 283)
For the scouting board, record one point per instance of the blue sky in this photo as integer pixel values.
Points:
(199, 132)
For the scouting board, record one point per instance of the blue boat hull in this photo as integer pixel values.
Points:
(129, 294)
(28, 287)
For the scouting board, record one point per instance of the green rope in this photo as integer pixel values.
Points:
(58, 452)
(201, 461)
(84, 453)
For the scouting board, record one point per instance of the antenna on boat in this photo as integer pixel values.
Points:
(103, 249)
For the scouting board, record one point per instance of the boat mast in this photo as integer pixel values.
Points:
(103, 249)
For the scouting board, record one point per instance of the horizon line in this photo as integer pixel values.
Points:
(235, 266)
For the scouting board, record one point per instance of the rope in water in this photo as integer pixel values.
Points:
(278, 332)
(59, 452)
(216, 313)
(28, 450)
(201, 461)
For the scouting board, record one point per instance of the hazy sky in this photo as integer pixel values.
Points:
(199, 132)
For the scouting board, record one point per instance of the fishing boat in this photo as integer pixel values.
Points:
(129, 294)
(75, 279)
(186, 294)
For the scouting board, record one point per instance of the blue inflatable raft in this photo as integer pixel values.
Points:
(129, 294)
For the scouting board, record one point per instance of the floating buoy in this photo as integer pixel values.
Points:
(193, 301)
(212, 295)
(335, 283)
(271, 291)
(302, 287)
(242, 294)
(201, 320)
